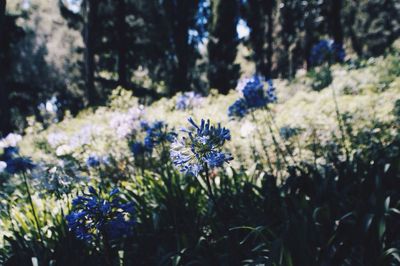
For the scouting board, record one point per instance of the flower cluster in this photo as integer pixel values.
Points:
(67, 145)
(138, 148)
(188, 100)
(327, 51)
(94, 217)
(126, 124)
(156, 133)
(11, 140)
(254, 96)
(202, 147)
(12, 163)
(55, 180)
(93, 161)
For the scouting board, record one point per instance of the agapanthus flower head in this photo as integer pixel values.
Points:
(9, 153)
(238, 109)
(138, 148)
(242, 83)
(15, 163)
(144, 125)
(94, 217)
(93, 161)
(327, 51)
(157, 133)
(188, 100)
(19, 165)
(200, 148)
(254, 96)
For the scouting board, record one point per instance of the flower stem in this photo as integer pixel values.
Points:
(208, 183)
(287, 150)
(107, 251)
(340, 123)
(32, 208)
(262, 143)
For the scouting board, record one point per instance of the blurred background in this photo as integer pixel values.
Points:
(70, 54)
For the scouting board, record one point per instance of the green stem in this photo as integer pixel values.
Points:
(32, 207)
(287, 149)
(276, 143)
(209, 188)
(341, 124)
(262, 143)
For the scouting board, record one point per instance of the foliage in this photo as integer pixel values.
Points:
(314, 179)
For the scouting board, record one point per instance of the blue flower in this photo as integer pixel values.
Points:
(254, 96)
(216, 159)
(93, 161)
(253, 93)
(238, 108)
(138, 148)
(94, 217)
(202, 147)
(187, 100)
(327, 51)
(157, 133)
(19, 165)
(9, 153)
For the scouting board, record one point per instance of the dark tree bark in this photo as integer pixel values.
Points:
(260, 19)
(270, 22)
(351, 20)
(181, 16)
(91, 9)
(222, 46)
(122, 49)
(335, 24)
(5, 126)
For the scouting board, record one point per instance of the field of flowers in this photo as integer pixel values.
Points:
(278, 172)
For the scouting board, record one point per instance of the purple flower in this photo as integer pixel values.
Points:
(202, 147)
(94, 217)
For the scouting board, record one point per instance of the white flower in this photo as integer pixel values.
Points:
(10, 141)
(63, 150)
(126, 124)
(56, 139)
(3, 166)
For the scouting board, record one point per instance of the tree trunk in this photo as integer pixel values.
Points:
(335, 21)
(269, 51)
(180, 16)
(357, 47)
(91, 7)
(5, 126)
(122, 50)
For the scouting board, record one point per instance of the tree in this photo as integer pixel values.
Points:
(121, 29)
(373, 25)
(334, 20)
(259, 15)
(222, 45)
(4, 109)
(180, 15)
(90, 9)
